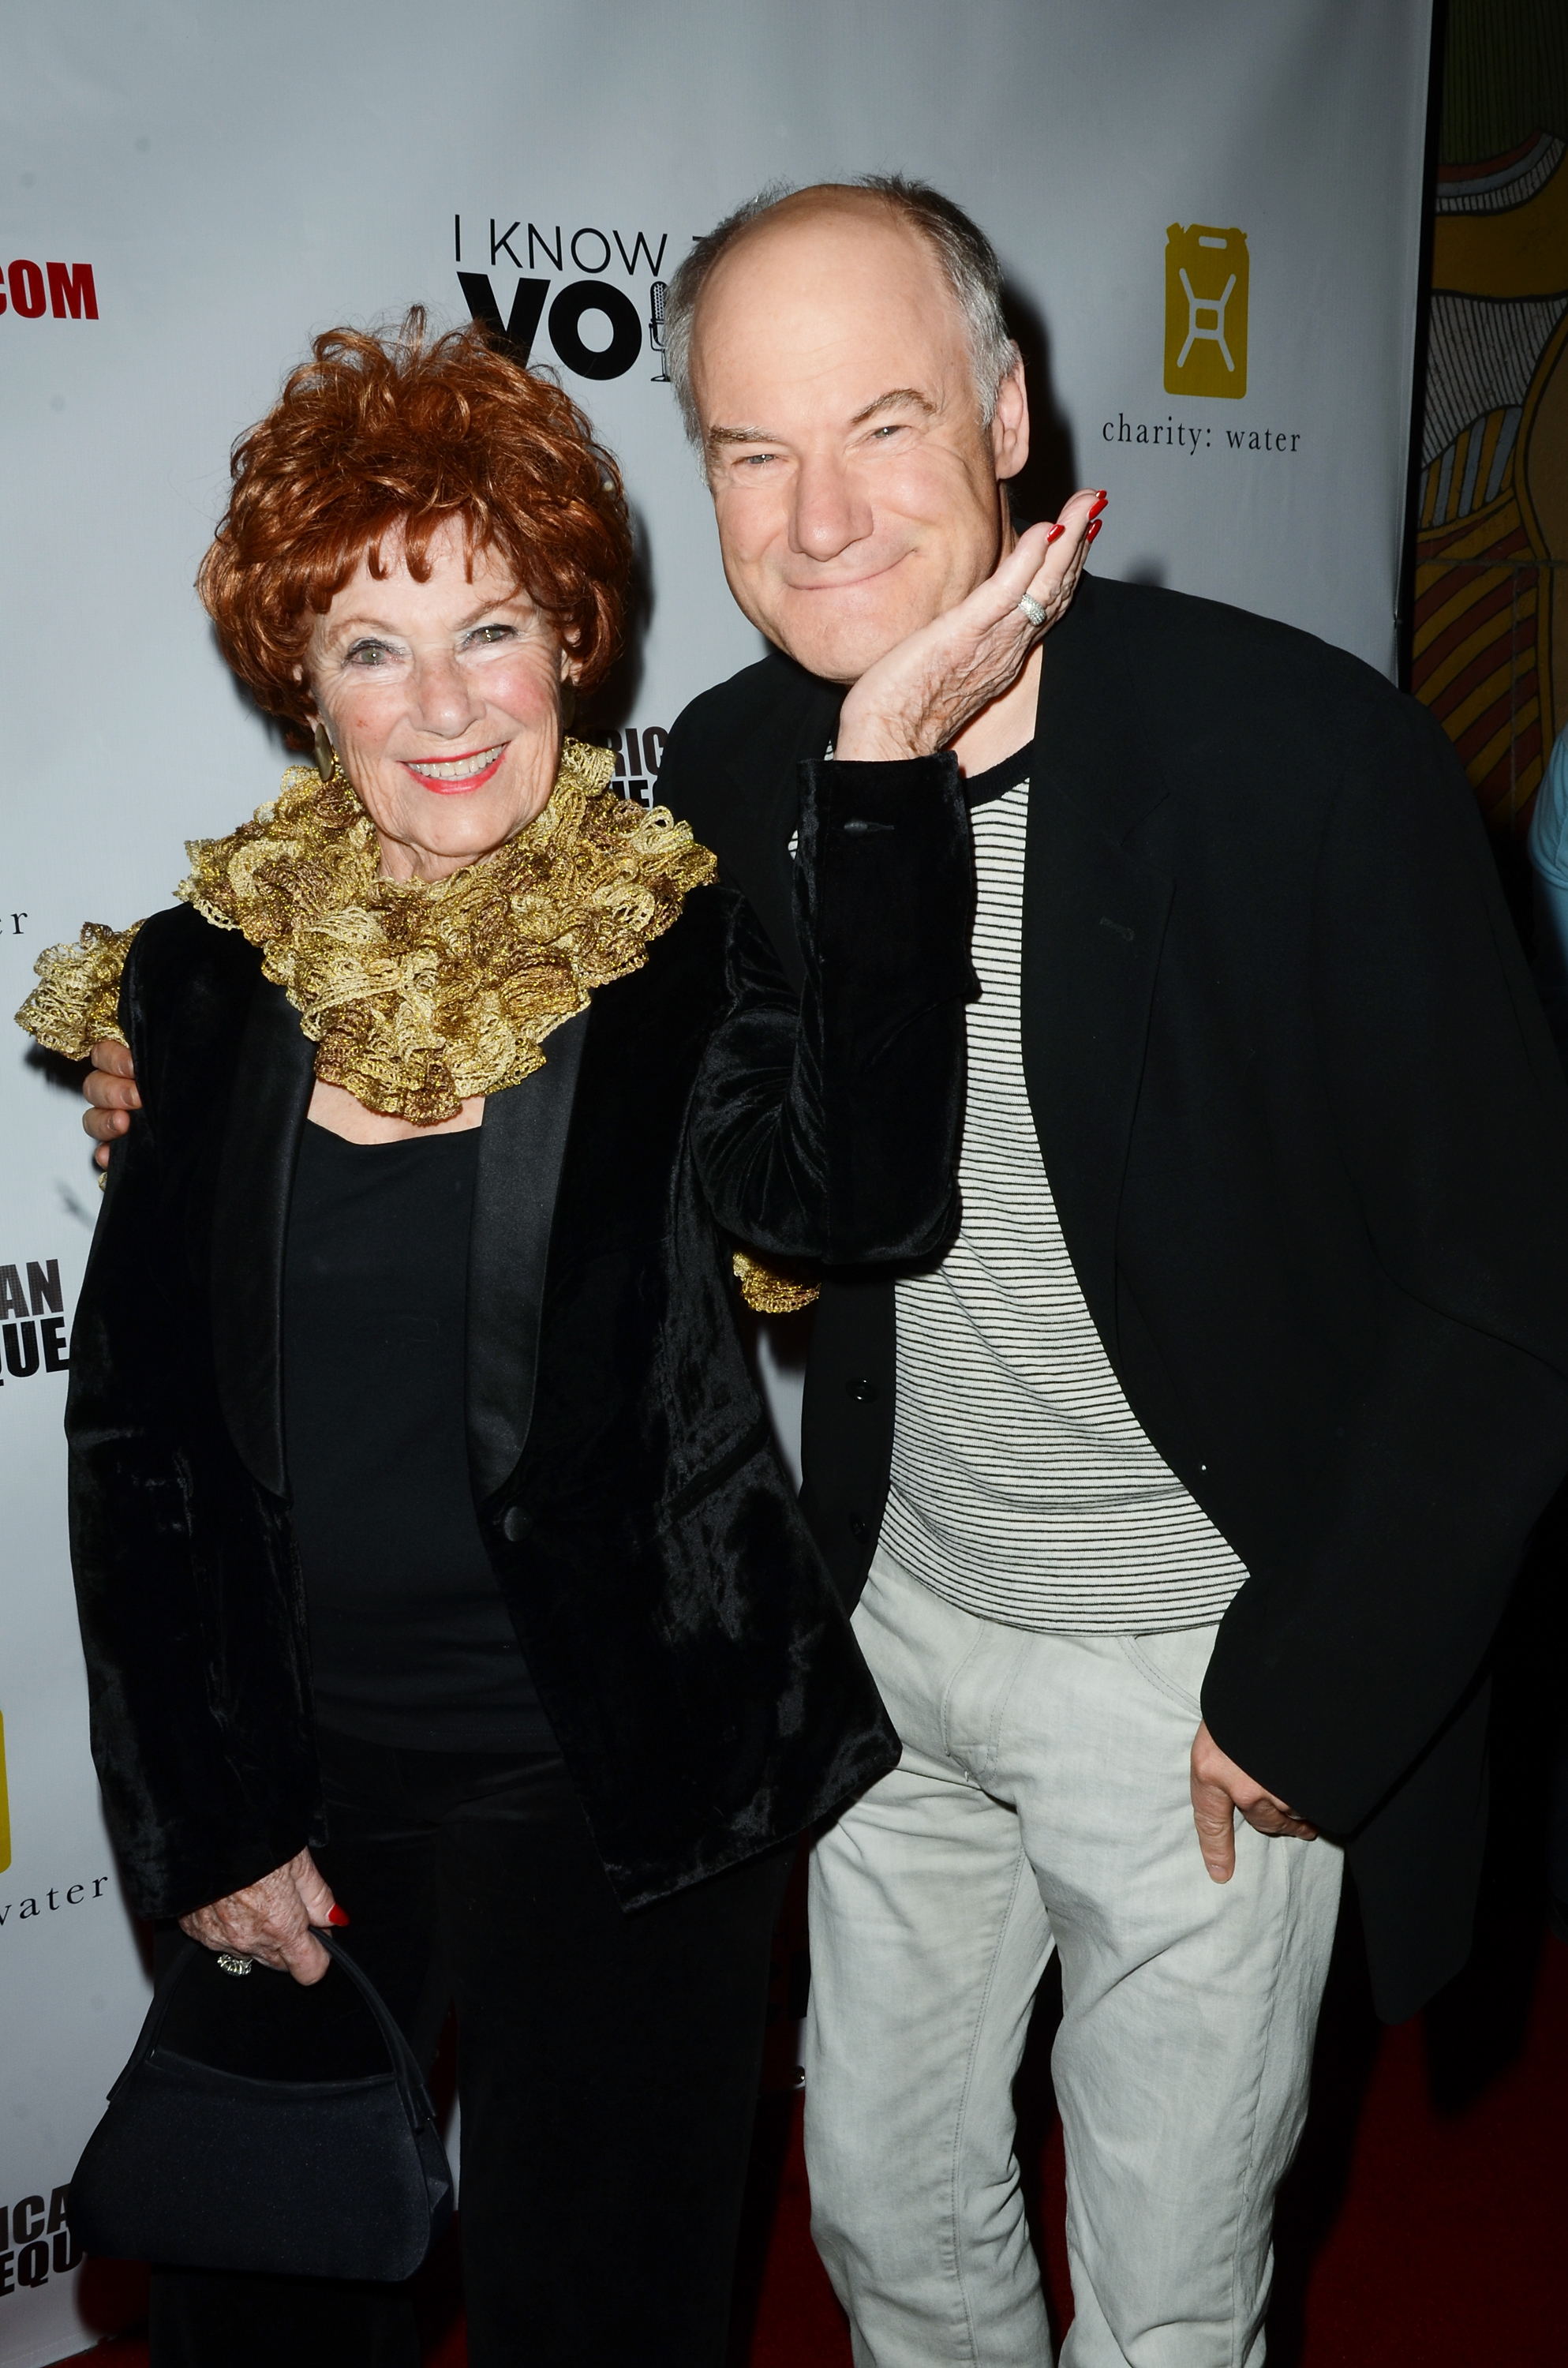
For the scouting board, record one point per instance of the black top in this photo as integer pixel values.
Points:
(995, 781)
(411, 1643)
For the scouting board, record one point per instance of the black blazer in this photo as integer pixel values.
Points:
(688, 1644)
(1309, 1141)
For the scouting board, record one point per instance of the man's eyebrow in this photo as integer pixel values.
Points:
(894, 400)
(742, 436)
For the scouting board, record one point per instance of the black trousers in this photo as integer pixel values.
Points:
(608, 2069)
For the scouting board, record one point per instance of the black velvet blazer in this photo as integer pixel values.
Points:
(1308, 1138)
(684, 1634)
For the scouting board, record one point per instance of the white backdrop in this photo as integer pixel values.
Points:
(237, 179)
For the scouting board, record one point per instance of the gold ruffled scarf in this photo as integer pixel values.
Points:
(415, 993)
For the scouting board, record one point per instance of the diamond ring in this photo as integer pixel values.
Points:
(232, 1964)
(1033, 611)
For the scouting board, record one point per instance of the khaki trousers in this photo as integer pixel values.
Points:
(1041, 1802)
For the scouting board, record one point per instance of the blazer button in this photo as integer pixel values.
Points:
(857, 1528)
(861, 1390)
(514, 1523)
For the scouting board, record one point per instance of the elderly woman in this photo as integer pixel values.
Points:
(437, 1575)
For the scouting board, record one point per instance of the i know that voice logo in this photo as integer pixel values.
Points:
(595, 326)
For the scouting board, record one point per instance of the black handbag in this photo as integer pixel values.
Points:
(266, 2125)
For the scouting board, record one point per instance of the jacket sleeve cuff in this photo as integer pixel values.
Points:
(885, 876)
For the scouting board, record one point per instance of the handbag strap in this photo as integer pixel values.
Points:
(412, 2093)
(404, 2063)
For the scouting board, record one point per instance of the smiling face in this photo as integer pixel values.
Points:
(443, 701)
(857, 494)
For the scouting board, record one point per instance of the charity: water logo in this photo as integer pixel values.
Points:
(38, 1906)
(1206, 310)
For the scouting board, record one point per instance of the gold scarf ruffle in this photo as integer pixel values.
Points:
(416, 994)
(76, 1001)
(772, 1290)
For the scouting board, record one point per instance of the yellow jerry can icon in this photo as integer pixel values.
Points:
(1206, 310)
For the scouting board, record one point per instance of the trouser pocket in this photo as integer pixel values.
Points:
(1174, 1660)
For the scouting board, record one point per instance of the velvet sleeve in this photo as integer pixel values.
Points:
(827, 1127)
(146, 1549)
(1452, 1124)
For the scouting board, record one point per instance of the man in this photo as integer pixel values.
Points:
(1244, 1379)
(1250, 1386)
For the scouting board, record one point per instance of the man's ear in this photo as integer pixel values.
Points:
(1010, 422)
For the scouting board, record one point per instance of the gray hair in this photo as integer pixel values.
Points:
(966, 255)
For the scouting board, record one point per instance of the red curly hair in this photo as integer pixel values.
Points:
(386, 439)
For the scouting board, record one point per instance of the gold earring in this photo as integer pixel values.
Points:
(329, 765)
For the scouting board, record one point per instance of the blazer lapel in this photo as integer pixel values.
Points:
(1095, 917)
(521, 1146)
(273, 1079)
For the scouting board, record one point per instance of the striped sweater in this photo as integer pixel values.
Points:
(1023, 1489)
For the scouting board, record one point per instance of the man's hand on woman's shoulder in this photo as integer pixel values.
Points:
(110, 1089)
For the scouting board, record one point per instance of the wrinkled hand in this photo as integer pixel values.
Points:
(271, 1919)
(110, 1089)
(920, 696)
(1219, 1789)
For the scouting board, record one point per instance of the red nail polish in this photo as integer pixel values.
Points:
(1051, 538)
(336, 1914)
(1094, 530)
(1099, 505)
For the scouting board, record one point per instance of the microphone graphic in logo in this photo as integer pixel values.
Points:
(656, 330)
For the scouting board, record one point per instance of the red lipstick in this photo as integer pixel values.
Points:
(464, 782)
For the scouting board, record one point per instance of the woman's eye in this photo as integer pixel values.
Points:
(368, 654)
(486, 633)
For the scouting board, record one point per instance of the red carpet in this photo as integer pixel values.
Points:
(1422, 2229)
